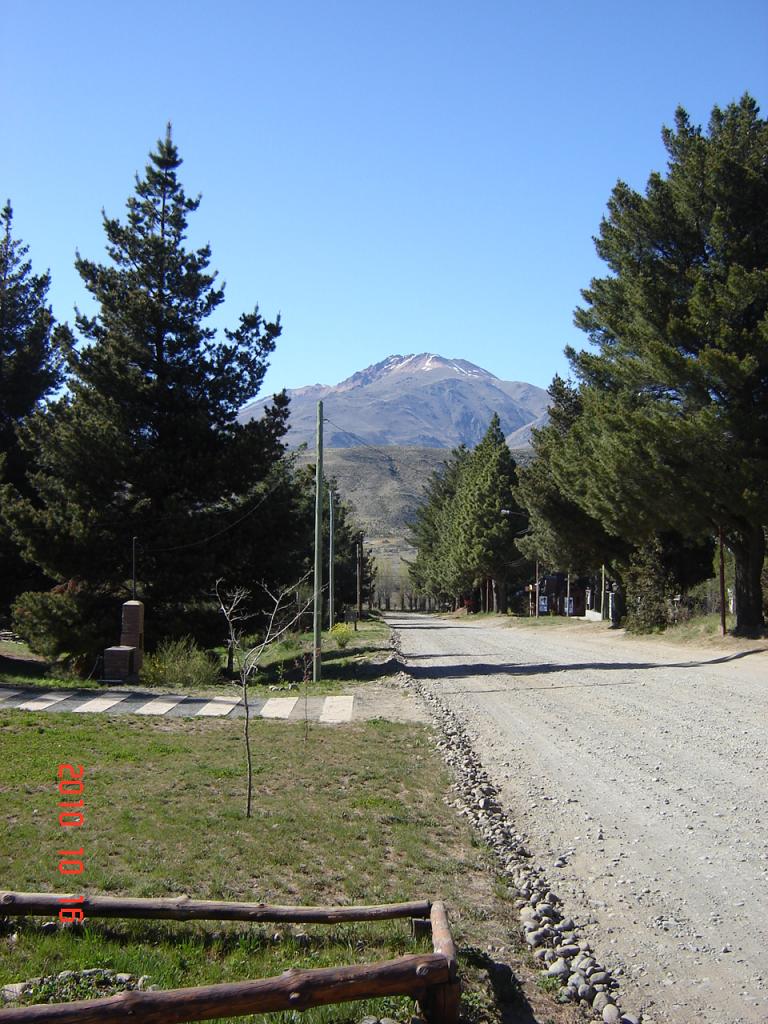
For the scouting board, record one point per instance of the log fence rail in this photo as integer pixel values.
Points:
(430, 979)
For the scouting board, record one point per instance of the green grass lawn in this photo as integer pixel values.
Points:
(341, 815)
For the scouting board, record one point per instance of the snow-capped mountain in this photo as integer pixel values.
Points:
(424, 400)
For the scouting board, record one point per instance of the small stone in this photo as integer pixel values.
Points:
(611, 1014)
(49, 926)
(302, 939)
(600, 1002)
(587, 993)
(65, 975)
(599, 978)
(628, 1018)
(13, 992)
(123, 978)
(559, 969)
(369, 1020)
(569, 951)
(141, 984)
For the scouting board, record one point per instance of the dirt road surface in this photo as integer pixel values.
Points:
(642, 766)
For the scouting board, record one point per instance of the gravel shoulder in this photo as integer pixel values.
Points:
(639, 768)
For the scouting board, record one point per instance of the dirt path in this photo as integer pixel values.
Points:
(642, 766)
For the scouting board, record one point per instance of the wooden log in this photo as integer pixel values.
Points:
(442, 940)
(293, 990)
(182, 908)
(440, 1005)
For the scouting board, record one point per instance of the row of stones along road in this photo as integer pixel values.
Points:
(553, 938)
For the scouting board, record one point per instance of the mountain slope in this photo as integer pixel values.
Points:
(420, 400)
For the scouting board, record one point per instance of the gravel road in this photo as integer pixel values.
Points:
(640, 768)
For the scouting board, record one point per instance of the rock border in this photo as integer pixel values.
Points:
(552, 936)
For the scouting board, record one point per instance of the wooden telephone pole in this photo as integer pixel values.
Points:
(318, 596)
(359, 578)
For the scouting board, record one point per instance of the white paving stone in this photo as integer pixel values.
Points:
(103, 703)
(278, 707)
(45, 700)
(337, 709)
(219, 706)
(159, 705)
(7, 694)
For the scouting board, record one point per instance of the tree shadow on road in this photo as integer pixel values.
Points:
(466, 670)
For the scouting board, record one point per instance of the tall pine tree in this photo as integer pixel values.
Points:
(147, 444)
(30, 371)
(674, 430)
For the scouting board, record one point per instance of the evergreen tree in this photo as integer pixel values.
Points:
(147, 444)
(674, 429)
(30, 371)
(434, 571)
(488, 517)
(560, 532)
(466, 530)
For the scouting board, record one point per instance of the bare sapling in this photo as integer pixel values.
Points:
(285, 611)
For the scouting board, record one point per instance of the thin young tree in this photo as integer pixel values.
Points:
(284, 613)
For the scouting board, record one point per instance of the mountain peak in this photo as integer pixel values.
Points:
(415, 363)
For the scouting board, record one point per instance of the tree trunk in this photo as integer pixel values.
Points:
(501, 590)
(749, 553)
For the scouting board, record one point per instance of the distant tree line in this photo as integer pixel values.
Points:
(126, 427)
(660, 442)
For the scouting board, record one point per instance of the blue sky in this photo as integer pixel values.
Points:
(392, 177)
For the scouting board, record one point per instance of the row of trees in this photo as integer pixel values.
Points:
(466, 531)
(660, 443)
(127, 428)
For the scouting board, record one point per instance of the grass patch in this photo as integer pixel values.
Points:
(342, 815)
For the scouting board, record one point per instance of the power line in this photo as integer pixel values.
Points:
(365, 444)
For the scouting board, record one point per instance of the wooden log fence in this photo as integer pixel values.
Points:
(182, 908)
(429, 978)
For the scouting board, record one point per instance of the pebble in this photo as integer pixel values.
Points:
(559, 969)
(600, 1002)
(611, 1014)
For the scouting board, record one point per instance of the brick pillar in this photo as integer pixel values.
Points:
(132, 632)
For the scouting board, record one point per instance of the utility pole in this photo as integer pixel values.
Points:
(360, 577)
(537, 588)
(330, 559)
(318, 597)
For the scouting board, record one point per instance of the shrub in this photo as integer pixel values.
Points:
(342, 634)
(68, 623)
(180, 664)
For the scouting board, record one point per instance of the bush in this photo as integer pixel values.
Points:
(68, 623)
(649, 589)
(342, 634)
(180, 664)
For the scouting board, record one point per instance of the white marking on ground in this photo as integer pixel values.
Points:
(7, 694)
(219, 706)
(279, 707)
(45, 700)
(108, 700)
(337, 709)
(159, 705)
